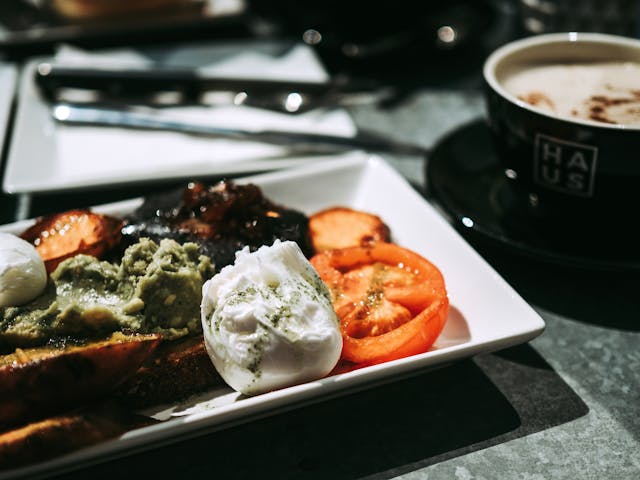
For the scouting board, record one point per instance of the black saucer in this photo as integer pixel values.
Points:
(464, 178)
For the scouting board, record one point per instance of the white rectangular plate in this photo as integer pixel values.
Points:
(486, 313)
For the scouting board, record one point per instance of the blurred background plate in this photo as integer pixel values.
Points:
(8, 78)
(45, 156)
(29, 27)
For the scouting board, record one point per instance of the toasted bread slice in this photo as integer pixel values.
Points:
(43, 381)
(341, 227)
(64, 433)
(176, 370)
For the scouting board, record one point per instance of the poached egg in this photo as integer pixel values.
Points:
(268, 320)
(22, 272)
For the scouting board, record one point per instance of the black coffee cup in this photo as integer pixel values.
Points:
(574, 175)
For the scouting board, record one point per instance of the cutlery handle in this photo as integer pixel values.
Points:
(51, 77)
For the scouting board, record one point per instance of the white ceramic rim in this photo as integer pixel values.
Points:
(509, 48)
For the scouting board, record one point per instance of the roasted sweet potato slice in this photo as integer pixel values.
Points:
(62, 235)
(48, 438)
(43, 381)
(341, 227)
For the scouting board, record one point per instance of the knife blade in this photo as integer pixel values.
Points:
(151, 85)
(294, 141)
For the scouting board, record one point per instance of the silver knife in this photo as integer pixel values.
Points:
(166, 87)
(295, 141)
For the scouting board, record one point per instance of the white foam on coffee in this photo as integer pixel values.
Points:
(607, 91)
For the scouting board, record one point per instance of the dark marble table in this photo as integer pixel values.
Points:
(564, 406)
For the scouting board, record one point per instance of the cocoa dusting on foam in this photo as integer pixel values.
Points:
(600, 105)
(538, 99)
(605, 92)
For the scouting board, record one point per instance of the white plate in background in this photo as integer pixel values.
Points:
(45, 156)
(486, 314)
(8, 79)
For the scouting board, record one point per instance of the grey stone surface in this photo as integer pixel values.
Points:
(601, 365)
(422, 118)
(592, 339)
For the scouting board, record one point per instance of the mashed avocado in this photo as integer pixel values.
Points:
(155, 289)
